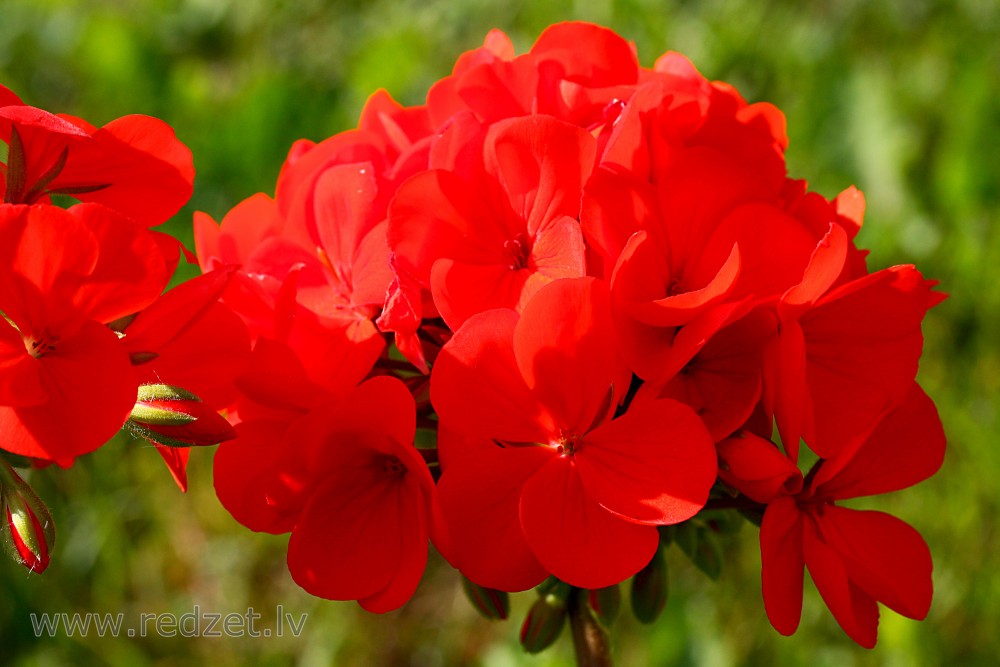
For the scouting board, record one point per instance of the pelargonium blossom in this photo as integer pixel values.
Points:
(855, 557)
(541, 479)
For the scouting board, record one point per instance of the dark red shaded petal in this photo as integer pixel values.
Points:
(480, 495)
(258, 479)
(413, 555)
(863, 342)
(884, 556)
(905, 448)
(205, 358)
(785, 370)
(782, 564)
(653, 465)
(575, 538)
(378, 415)
(275, 378)
(346, 544)
(722, 380)
(855, 610)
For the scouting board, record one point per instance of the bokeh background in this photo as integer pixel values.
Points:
(901, 98)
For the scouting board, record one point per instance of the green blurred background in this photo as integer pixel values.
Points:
(900, 98)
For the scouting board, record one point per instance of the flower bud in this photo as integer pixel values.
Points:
(649, 589)
(172, 416)
(27, 529)
(491, 603)
(545, 619)
(605, 602)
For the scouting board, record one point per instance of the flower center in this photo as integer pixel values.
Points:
(39, 347)
(568, 445)
(393, 467)
(517, 251)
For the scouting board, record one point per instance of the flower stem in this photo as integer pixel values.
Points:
(591, 642)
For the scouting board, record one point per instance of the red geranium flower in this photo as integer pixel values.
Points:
(540, 479)
(68, 384)
(856, 558)
(349, 484)
(494, 229)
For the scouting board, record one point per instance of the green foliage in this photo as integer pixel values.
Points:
(900, 98)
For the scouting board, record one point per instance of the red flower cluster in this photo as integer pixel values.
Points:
(80, 288)
(600, 283)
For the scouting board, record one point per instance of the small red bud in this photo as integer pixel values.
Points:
(174, 417)
(26, 527)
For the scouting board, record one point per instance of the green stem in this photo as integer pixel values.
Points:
(591, 642)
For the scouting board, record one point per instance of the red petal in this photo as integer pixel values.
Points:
(905, 448)
(21, 383)
(722, 380)
(824, 267)
(882, 555)
(782, 564)
(476, 387)
(342, 199)
(437, 214)
(91, 390)
(149, 171)
(176, 459)
(607, 59)
(258, 480)
(542, 164)
(461, 290)
(346, 544)
(863, 342)
(413, 556)
(855, 610)
(371, 275)
(245, 227)
(653, 465)
(575, 538)
(641, 281)
(793, 407)
(480, 495)
(130, 272)
(567, 352)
